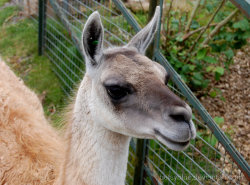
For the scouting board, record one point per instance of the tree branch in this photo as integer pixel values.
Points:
(219, 26)
(204, 30)
(142, 6)
(168, 17)
(192, 16)
(186, 36)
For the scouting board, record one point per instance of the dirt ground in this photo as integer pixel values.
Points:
(233, 101)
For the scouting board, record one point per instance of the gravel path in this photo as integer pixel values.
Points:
(235, 108)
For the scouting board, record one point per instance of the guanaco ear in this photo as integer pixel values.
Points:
(144, 37)
(92, 39)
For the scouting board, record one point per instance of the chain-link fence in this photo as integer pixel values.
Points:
(206, 161)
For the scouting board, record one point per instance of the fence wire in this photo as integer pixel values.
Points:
(204, 162)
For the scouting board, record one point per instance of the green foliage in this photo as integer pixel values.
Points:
(233, 37)
(219, 120)
(213, 94)
(242, 25)
(201, 54)
(212, 58)
(219, 71)
(216, 92)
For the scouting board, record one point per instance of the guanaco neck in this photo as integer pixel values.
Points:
(96, 155)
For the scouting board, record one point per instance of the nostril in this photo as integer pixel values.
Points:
(180, 114)
(178, 117)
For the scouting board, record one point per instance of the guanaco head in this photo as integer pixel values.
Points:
(129, 92)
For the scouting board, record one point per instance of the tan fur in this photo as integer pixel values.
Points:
(30, 149)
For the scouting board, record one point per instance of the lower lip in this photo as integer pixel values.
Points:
(171, 141)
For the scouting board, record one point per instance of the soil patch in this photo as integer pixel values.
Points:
(233, 101)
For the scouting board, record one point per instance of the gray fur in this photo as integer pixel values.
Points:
(144, 37)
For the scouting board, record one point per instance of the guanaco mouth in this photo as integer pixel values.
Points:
(157, 132)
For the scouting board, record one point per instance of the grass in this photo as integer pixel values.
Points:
(2, 2)
(18, 47)
(6, 13)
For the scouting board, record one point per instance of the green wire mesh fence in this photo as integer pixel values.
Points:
(206, 161)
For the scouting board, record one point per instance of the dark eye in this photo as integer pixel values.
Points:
(167, 79)
(117, 92)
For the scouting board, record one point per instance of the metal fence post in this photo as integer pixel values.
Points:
(141, 152)
(41, 25)
(244, 6)
(158, 34)
(152, 6)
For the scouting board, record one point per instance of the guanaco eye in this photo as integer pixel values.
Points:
(117, 92)
(167, 77)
